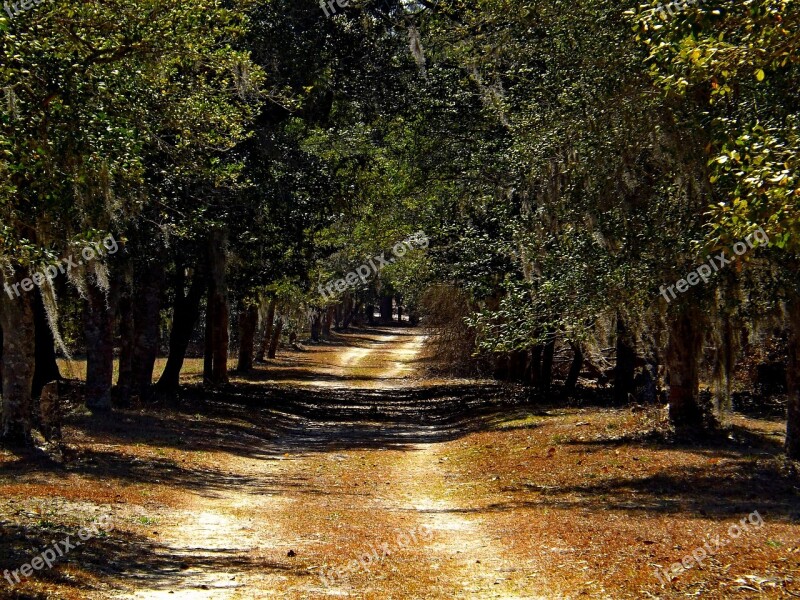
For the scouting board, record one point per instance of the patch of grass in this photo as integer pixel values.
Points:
(518, 422)
(46, 524)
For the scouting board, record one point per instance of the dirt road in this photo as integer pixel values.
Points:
(367, 512)
(338, 472)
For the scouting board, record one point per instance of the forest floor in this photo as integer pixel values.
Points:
(340, 472)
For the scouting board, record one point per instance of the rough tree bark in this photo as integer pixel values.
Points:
(500, 371)
(98, 329)
(327, 322)
(574, 370)
(218, 320)
(208, 347)
(185, 313)
(683, 351)
(17, 322)
(248, 323)
(386, 309)
(548, 355)
(350, 310)
(126, 333)
(369, 312)
(269, 323)
(146, 317)
(46, 369)
(535, 366)
(793, 383)
(625, 367)
(315, 326)
(276, 338)
(338, 317)
(517, 363)
(50, 412)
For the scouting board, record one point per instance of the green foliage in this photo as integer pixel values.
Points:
(738, 63)
(97, 94)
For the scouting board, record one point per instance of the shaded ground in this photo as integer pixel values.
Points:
(338, 472)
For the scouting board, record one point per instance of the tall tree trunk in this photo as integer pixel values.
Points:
(46, 369)
(330, 315)
(386, 307)
(127, 333)
(315, 326)
(574, 370)
(218, 308)
(208, 347)
(338, 318)
(19, 358)
(146, 321)
(1, 355)
(50, 412)
(185, 313)
(276, 338)
(548, 355)
(248, 323)
(625, 367)
(269, 324)
(535, 366)
(98, 329)
(517, 363)
(683, 352)
(500, 371)
(793, 377)
(350, 311)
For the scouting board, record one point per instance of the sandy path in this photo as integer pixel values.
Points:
(221, 539)
(386, 363)
(203, 543)
(474, 561)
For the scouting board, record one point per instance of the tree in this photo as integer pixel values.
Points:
(96, 95)
(738, 63)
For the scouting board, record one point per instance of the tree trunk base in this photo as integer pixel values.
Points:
(793, 385)
(16, 437)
